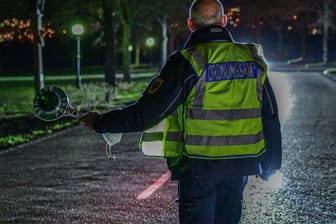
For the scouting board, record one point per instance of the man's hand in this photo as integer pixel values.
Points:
(88, 119)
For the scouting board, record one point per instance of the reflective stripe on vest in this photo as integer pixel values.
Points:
(151, 143)
(163, 140)
(225, 114)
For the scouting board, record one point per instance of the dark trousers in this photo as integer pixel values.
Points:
(211, 200)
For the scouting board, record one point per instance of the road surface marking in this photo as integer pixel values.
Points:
(155, 186)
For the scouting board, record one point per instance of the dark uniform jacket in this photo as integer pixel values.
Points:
(168, 90)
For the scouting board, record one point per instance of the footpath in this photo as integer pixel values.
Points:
(325, 70)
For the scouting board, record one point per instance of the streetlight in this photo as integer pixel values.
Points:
(78, 30)
(150, 41)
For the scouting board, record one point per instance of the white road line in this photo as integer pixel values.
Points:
(155, 186)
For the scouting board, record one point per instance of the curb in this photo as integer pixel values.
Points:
(44, 138)
(330, 72)
(331, 76)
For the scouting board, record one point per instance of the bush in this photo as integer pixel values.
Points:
(19, 125)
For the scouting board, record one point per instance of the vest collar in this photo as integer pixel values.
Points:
(208, 34)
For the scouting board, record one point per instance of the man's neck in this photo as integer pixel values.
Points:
(208, 34)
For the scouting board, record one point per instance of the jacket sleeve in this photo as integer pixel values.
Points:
(271, 159)
(161, 97)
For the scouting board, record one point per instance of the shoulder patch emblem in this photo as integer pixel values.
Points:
(155, 86)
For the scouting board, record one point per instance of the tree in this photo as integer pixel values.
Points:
(125, 10)
(137, 16)
(253, 15)
(257, 15)
(109, 40)
(318, 13)
(15, 8)
(328, 16)
(122, 17)
(171, 23)
(100, 13)
(326, 24)
(296, 15)
(37, 8)
(278, 17)
(32, 9)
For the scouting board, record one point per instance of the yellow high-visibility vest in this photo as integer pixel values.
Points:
(221, 118)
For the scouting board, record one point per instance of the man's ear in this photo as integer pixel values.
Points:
(224, 21)
(190, 25)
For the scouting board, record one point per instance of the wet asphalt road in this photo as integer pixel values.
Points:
(67, 178)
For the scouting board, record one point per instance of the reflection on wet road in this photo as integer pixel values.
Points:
(68, 179)
(305, 189)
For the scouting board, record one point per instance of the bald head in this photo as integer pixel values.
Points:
(206, 12)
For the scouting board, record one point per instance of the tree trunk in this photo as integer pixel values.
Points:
(326, 4)
(137, 54)
(126, 63)
(37, 9)
(126, 39)
(109, 39)
(164, 40)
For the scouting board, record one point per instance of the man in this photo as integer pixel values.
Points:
(220, 113)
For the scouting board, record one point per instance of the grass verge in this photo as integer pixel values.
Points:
(18, 124)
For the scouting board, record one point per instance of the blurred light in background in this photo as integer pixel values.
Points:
(18, 29)
(77, 29)
(150, 41)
